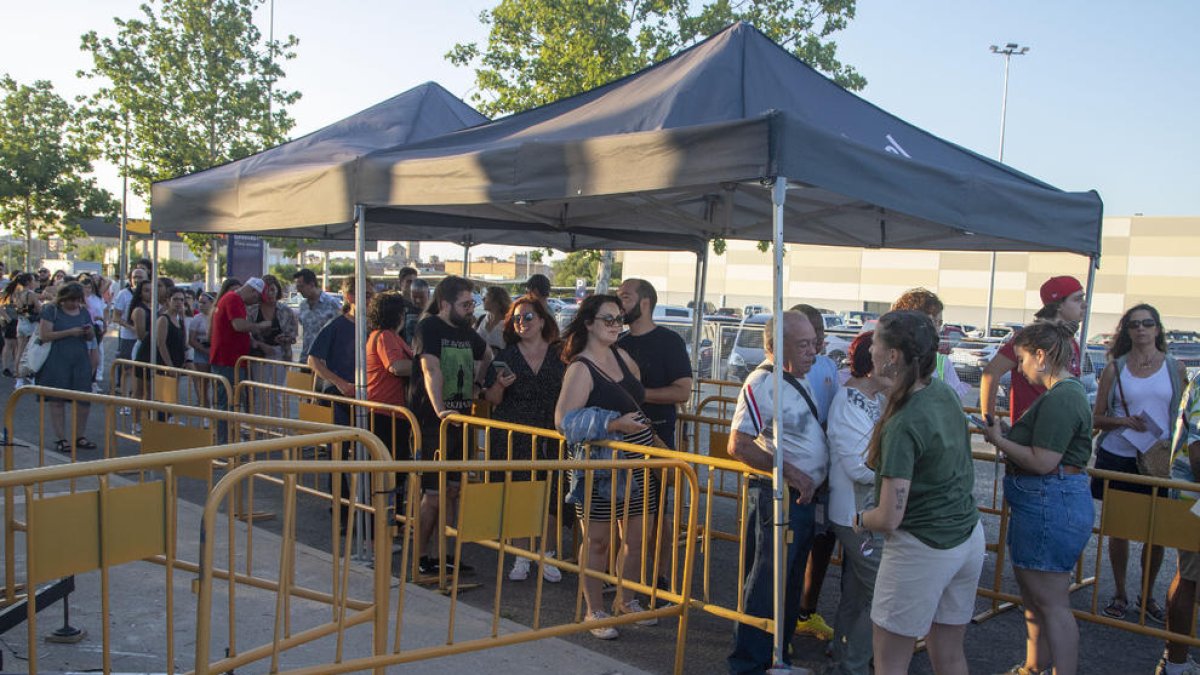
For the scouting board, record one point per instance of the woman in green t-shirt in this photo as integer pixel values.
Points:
(921, 453)
(1046, 488)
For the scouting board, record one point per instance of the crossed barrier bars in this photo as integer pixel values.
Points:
(105, 534)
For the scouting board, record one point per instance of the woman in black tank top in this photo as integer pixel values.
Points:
(601, 375)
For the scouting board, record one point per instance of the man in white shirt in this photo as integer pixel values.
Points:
(805, 465)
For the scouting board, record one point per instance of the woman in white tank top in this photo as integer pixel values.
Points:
(1138, 394)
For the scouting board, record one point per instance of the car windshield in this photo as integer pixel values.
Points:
(750, 337)
(968, 344)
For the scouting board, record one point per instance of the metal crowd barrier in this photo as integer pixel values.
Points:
(681, 528)
(107, 519)
(166, 384)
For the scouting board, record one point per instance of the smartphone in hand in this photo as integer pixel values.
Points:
(502, 368)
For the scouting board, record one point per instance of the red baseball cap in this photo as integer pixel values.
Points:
(1058, 288)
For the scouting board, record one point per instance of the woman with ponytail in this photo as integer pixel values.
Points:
(1046, 488)
(921, 453)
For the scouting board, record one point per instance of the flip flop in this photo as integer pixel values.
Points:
(84, 444)
(1116, 607)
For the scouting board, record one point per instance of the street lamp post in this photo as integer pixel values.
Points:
(1008, 51)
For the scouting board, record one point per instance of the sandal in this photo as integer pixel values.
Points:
(1154, 611)
(84, 444)
(1116, 607)
(63, 446)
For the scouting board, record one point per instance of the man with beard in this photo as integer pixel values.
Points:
(449, 359)
(660, 354)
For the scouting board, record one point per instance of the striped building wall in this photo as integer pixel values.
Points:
(1143, 259)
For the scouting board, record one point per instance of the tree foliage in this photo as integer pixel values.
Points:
(580, 265)
(187, 85)
(539, 51)
(44, 160)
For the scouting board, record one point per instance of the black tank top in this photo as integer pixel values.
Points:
(624, 397)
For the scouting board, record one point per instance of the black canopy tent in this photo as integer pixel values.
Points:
(731, 138)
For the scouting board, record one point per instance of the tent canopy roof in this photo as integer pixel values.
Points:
(681, 152)
(299, 187)
(668, 158)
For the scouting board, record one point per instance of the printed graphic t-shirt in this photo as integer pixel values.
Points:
(457, 349)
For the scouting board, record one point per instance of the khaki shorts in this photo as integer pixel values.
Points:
(1189, 565)
(919, 585)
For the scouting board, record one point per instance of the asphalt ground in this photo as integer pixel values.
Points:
(991, 646)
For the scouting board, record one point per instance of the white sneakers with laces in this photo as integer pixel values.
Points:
(633, 607)
(605, 633)
(520, 570)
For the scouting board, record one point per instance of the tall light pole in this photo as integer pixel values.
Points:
(1008, 51)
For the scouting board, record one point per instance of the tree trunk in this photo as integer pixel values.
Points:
(604, 273)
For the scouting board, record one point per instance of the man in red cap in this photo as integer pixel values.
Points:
(1062, 300)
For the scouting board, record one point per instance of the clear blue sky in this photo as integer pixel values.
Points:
(1106, 98)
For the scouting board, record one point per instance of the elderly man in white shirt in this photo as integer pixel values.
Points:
(805, 465)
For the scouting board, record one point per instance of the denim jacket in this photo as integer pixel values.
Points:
(591, 424)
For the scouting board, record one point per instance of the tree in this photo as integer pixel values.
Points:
(540, 51)
(580, 265)
(185, 88)
(44, 160)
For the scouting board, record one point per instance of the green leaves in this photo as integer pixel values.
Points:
(45, 155)
(539, 51)
(188, 85)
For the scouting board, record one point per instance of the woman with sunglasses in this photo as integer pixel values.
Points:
(602, 377)
(1140, 390)
(523, 385)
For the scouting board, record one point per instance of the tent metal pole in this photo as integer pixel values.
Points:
(152, 310)
(360, 363)
(778, 199)
(987, 320)
(1093, 265)
(698, 320)
(466, 260)
(325, 271)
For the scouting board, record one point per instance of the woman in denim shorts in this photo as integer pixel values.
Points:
(1046, 489)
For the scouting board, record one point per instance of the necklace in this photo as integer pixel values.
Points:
(1145, 363)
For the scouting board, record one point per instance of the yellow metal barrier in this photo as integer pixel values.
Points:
(672, 530)
(121, 521)
(166, 384)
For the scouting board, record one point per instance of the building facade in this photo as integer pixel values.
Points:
(1143, 259)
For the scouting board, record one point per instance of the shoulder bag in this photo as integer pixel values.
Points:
(1153, 461)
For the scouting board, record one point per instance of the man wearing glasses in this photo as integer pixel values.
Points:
(449, 359)
(805, 465)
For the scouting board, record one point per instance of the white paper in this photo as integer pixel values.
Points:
(1139, 441)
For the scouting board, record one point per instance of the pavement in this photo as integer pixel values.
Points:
(992, 646)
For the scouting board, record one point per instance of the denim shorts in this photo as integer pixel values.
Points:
(1050, 520)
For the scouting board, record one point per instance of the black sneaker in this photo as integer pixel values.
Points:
(429, 565)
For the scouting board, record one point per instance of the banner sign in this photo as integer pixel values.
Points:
(244, 256)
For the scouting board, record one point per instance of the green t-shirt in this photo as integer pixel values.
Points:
(1059, 420)
(928, 443)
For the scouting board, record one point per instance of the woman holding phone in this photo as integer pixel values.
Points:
(523, 386)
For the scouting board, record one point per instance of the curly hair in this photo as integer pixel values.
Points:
(386, 311)
(919, 300)
(1122, 342)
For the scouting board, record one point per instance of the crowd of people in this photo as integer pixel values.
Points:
(876, 457)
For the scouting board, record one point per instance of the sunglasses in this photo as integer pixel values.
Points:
(1144, 323)
(526, 317)
(610, 320)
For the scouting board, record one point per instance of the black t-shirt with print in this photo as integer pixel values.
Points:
(457, 350)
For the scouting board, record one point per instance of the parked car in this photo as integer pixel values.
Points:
(857, 318)
(831, 320)
(555, 304)
(675, 312)
(748, 350)
(1004, 331)
(1187, 353)
(969, 358)
(951, 336)
(564, 315)
(729, 312)
(684, 330)
(707, 306)
(750, 310)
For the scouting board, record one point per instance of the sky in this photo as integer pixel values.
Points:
(1103, 100)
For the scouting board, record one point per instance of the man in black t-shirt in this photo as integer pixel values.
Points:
(449, 361)
(660, 354)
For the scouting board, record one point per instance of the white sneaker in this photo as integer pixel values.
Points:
(633, 607)
(550, 572)
(21, 382)
(605, 633)
(520, 569)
